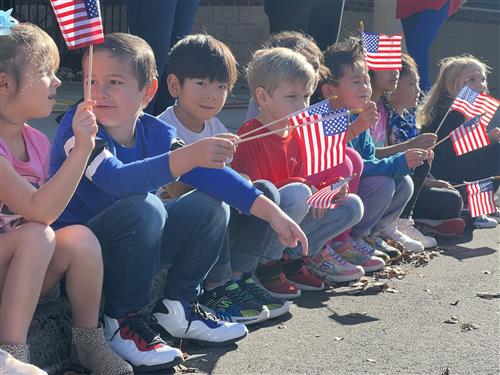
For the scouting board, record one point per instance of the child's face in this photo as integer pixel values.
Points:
(407, 91)
(35, 97)
(201, 99)
(474, 77)
(287, 97)
(353, 88)
(385, 80)
(116, 90)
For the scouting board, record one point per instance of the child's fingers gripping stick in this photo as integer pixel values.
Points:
(213, 152)
(85, 125)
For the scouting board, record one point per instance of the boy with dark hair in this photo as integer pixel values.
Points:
(385, 186)
(200, 74)
(132, 158)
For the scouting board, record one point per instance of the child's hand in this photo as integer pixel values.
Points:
(424, 141)
(366, 119)
(85, 126)
(344, 190)
(494, 135)
(213, 152)
(438, 184)
(229, 136)
(415, 157)
(289, 231)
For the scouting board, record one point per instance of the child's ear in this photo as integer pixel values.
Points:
(150, 92)
(328, 90)
(261, 95)
(5, 84)
(173, 85)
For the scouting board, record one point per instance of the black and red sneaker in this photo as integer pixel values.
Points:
(135, 341)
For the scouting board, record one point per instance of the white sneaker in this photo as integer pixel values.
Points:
(409, 244)
(407, 226)
(134, 340)
(495, 215)
(191, 322)
(485, 222)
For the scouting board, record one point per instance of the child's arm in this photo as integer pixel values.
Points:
(288, 231)
(46, 204)
(423, 141)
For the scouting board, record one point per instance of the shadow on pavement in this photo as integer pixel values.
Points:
(352, 318)
(461, 252)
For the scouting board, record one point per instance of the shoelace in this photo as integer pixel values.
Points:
(138, 325)
(197, 310)
(333, 254)
(239, 295)
(363, 247)
(256, 291)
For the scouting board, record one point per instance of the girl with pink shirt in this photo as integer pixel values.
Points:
(34, 258)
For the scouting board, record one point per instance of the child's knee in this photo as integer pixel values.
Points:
(40, 241)
(84, 245)
(355, 205)
(211, 210)
(405, 187)
(293, 199)
(268, 189)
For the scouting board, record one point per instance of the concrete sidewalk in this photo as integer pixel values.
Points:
(232, 115)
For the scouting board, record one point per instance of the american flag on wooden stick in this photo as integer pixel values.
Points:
(322, 143)
(80, 22)
(324, 198)
(480, 197)
(383, 52)
(469, 136)
(471, 103)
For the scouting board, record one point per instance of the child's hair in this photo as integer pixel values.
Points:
(407, 65)
(27, 44)
(202, 56)
(298, 42)
(340, 55)
(446, 85)
(134, 50)
(271, 66)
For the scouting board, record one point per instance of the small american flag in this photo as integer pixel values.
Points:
(322, 143)
(324, 197)
(470, 103)
(469, 136)
(383, 52)
(80, 22)
(480, 197)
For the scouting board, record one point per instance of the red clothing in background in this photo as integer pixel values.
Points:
(406, 8)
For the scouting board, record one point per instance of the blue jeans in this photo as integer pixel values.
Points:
(319, 231)
(384, 199)
(420, 30)
(246, 234)
(192, 242)
(130, 233)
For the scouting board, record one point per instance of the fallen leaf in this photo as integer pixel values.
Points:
(391, 290)
(338, 338)
(486, 272)
(371, 360)
(445, 371)
(317, 335)
(281, 326)
(427, 290)
(488, 295)
(452, 320)
(455, 303)
(465, 327)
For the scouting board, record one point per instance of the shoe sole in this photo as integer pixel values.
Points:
(277, 295)
(449, 228)
(155, 368)
(337, 279)
(373, 268)
(308, 288)
(263, 316)
(210, 343)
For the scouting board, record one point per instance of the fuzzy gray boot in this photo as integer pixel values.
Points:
(90, 351)
(14, 361)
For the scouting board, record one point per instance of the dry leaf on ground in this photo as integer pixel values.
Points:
(488, 295)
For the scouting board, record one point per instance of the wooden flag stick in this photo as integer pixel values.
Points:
(460, 185)
(89, 77)
(330, 99)
(291, 127)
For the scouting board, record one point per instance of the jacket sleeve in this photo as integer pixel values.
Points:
(107, 172)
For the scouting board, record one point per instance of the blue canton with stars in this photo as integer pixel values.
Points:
(92, 8)
(335, 125)
(370, 42)
(468, 94)
(485, 185)
(473, 121)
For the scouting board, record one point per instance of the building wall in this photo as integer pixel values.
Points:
(243, 25)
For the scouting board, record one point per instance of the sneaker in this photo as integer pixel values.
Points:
(485, 222)
(358, 252)
(407, 227)
(133, 339)
(495, 215)
(276, 306)
(272, 278)
(442, 228)
(297, 273)
(230, 303)
(409, 244)
(379, 244)
(188, 321)
(333, 268)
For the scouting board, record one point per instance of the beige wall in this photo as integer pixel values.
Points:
(244, 28)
